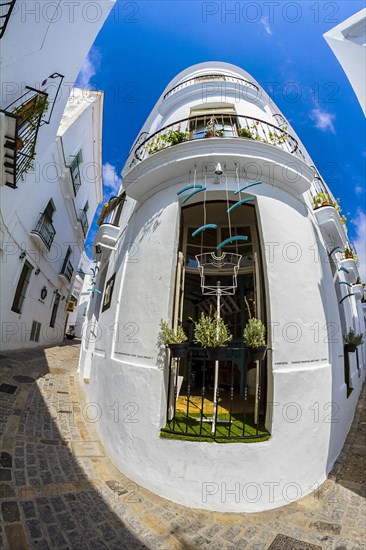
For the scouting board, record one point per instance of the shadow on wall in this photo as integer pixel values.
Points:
(51, 495)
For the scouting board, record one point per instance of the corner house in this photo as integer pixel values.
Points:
(221, 203)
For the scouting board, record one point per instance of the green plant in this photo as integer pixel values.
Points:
(358, 281)
(254, 334)
(169, 336)
(245, 133)
(349, 254)
(327, 200)
(211, 129)
(169, 138)
(173, 137)
(211, 331)
(352, 338)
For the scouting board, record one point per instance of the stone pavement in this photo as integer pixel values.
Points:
(60, 490)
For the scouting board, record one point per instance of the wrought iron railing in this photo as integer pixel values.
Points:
(218, 126)
(45, 230)
(25, 115)
(6, 7)
(239, 414)
(83, 219)
(207, 78)
(67, 270)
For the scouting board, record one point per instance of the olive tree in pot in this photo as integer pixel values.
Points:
(212, 333)
(352, 340)
(176, 341)
(255, 337)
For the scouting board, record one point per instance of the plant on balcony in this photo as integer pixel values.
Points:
(352, 340)
(254, 336)
(212, 131)
(173, 137)
(275, 139)
(212, 333)
(348, 254)
(176, 341)
(167, 139)
(325, 199)
(32, 110)
(245, 133)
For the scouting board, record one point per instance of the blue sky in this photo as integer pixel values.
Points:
(144, 44)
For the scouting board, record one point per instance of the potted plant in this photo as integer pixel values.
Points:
(325, 199)
(176, 341)
(173, 137)
(352, 340)
(254, 337)
(212, 333)
(209, 131)
(244, 133)
(348, 254)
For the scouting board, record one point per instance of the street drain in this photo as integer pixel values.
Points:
(8, 388)
(24, 379)
(282, 542)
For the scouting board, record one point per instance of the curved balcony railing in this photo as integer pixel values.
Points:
(209, 78)
(218, 126)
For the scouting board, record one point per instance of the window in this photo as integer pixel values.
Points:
(49, 210)
(75, 171)
(22, 287)
(36, 329)
(67, 268)
(54, 310)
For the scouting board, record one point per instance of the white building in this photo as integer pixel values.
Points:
(348, 42)
(80, 296)
(50, 165)
(214, 143)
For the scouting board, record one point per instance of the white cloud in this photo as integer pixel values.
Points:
(323, 120)
(360, 241)
(265, 23)
(359, 189)
(111, 180)
(89, 68)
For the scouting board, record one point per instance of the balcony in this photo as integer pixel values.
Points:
(20, 122)
(6, 7)
(211, 78)
(331, 226)
(83, 219)
(66, 272)
(44, 232)
(105, 241)
(263, 147)
(218, 126)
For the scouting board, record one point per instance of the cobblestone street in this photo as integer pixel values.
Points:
(60, 490)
